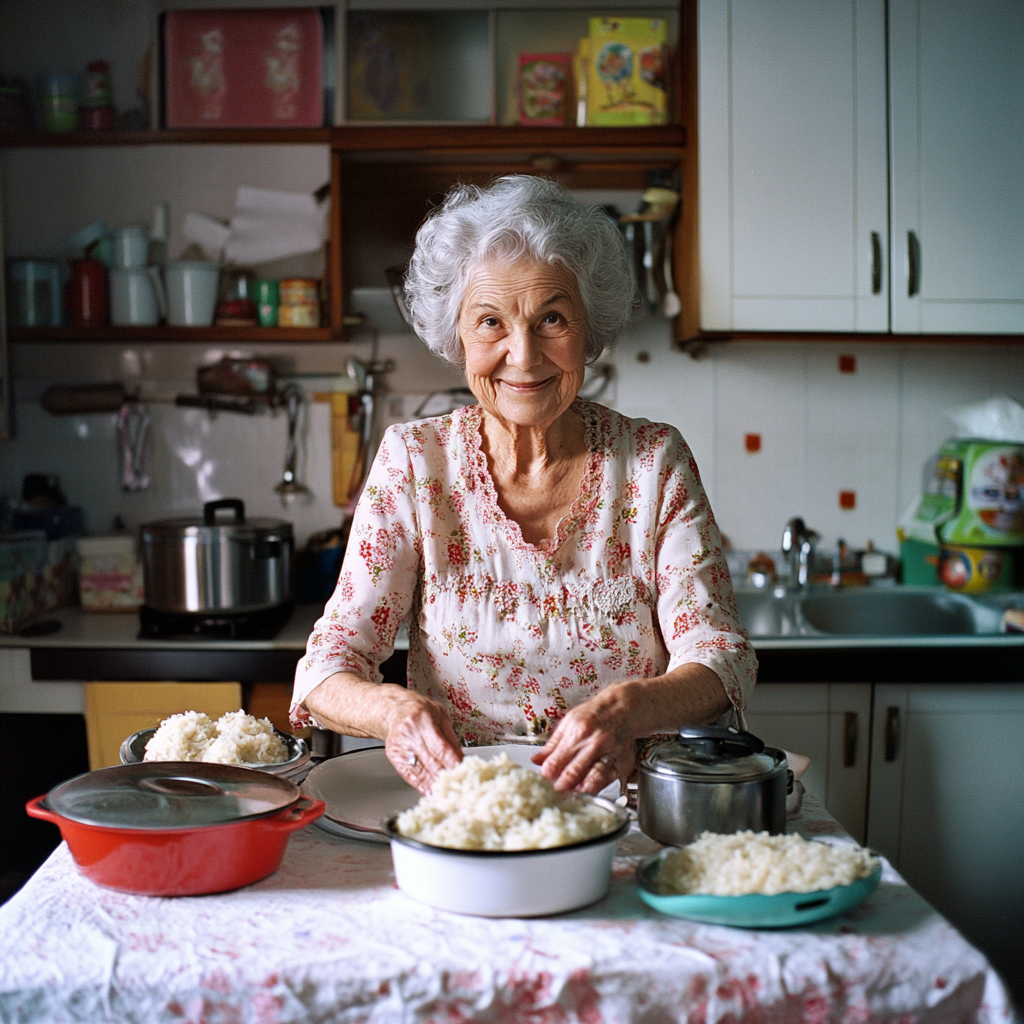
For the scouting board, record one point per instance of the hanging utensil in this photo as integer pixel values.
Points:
(289, 487)
(132, 433)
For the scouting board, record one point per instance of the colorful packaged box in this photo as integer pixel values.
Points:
(244, 68)
(22, 562)
(626, 72)
(109, 573)
(545, 88)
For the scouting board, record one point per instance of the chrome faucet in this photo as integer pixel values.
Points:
(798, 547)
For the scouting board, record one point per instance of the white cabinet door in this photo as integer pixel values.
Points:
(792, 165)
(957, 148)
(830, 723)
(947, 806)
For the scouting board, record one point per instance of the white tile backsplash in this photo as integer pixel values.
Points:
(821, 431)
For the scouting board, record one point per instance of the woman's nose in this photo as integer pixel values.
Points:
(524, 349)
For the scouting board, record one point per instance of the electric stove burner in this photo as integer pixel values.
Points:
(262, 624)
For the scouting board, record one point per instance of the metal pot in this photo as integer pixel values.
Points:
(712, 779)
(216, 565)
(176, 828)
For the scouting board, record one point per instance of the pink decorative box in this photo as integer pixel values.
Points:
(244, 68)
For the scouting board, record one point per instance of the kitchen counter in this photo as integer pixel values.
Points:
(107, 647)
(329, 937)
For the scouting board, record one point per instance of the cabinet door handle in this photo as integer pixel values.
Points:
(876, 263)
(892, 733)
(849, 739)
(913, 264)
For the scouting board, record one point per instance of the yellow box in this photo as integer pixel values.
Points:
(626, 72)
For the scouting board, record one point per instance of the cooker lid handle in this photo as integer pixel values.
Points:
(211, 508)
(713, 735)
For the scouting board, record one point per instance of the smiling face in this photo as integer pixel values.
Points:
(523, 327)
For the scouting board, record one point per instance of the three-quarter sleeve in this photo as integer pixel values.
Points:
(696, 603)
(378, 578)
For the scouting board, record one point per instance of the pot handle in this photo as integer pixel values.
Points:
(718, 733)
(211, 508)
(299, 816)
(37, 809)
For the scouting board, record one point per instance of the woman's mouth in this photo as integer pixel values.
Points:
(526, 387)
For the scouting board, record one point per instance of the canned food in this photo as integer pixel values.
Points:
(298, 316)
(299, 291)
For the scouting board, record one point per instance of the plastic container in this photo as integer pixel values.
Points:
(109, 573)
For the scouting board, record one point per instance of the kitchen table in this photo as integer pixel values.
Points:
(330, 938)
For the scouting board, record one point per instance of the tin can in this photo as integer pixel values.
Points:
(299, 291)
(307, 315)
(268, 298)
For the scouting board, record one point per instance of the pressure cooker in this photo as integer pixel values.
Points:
(217, 563)
(712, 779)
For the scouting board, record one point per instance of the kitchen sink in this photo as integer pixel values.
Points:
(868, 611)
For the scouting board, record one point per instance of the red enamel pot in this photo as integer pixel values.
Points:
(176, 828)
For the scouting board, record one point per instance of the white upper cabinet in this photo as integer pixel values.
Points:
(792, 164)
(797, 229)
(956, 78)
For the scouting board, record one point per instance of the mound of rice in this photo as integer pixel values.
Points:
(498, 805)
(756, 862)
(235, 738)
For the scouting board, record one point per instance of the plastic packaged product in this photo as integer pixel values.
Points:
(109, 573)
(23, 557)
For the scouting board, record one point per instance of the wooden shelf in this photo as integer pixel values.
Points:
(167, 333)
(414, 138)
(168, 137)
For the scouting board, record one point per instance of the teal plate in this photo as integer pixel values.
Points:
(786, 910)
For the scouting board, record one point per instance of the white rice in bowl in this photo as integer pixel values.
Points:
(235, 738)
(498, 805)
(743, 863)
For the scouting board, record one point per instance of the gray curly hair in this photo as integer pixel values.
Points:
(516, 217)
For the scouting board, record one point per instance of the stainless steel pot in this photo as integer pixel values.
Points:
(215, 564)
(712, 779)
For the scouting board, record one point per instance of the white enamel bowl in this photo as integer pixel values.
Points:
(514, 883)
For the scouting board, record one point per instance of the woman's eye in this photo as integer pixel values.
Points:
(552, 318)
(491, 321)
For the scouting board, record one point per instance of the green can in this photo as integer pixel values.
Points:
(268, 298)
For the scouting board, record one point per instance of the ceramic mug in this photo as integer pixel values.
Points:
(136, 296)
(131, 247)
(192, 293)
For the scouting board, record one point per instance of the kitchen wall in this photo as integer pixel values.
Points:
(822, 431)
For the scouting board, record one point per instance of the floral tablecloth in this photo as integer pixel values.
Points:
(329, 938)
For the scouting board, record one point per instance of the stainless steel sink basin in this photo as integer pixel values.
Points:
(869, 611)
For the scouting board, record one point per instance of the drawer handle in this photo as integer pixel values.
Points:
(850, 739)
(892, 733)
(876, 263)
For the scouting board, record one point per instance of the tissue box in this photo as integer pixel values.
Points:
(109, 573)
(244, 68)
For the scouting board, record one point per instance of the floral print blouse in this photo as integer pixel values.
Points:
(509, 635)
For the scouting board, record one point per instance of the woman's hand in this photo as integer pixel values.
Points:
(420, 740)
(593, 745)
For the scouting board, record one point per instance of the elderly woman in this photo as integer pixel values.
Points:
(558, 564)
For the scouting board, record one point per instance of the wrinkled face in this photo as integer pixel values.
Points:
(522, 327)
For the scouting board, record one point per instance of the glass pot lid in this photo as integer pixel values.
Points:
(714, 754)
(171, 794)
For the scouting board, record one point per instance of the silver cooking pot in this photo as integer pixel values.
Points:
(712, 779)
(217, 564)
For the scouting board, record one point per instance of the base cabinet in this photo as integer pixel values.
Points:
(829, 722)
(946, 806)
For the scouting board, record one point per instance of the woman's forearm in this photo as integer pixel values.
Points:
(688, 695)
(348, 704)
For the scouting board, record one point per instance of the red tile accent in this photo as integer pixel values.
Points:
(847, 364)
(752, 442)
(847, 499)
